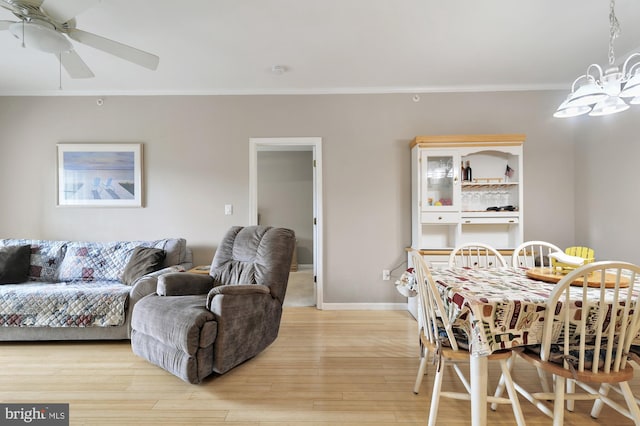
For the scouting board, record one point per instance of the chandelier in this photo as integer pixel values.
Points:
(601, 92)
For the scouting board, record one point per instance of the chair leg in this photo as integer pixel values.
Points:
(598, 403)
(498, 393)
(500, 387)
(604, 391)
(571, 389)
(558, 405)
(511, 390)
(435, 395)
(634, 410)
(544, 380)
(421, 371)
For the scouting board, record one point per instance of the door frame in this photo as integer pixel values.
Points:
(315, 143)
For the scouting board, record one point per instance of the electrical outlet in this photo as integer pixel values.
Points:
(386, 275)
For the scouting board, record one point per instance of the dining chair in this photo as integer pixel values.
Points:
(450, 346)
(476, 255)
(589, 345)
(421, 315)
(531, 254)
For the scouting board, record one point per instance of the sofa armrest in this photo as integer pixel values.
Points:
(184, 284)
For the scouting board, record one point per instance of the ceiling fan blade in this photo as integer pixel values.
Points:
(74, 65)
(64, 10)
(4, 25)
(120, 50)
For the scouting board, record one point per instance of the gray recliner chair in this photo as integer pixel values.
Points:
(196, 324)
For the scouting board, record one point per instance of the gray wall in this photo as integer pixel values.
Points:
(607, 194)
(196, 151)
(285, 195)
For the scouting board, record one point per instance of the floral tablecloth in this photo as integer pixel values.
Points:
(496, 308)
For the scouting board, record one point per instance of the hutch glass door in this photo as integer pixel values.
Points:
(440, 174)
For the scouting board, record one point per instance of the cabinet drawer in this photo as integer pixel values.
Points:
(440, 217)
(486, 220)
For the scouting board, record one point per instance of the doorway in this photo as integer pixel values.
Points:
(312, 145)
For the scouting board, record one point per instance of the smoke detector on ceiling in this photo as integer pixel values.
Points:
(279, 69)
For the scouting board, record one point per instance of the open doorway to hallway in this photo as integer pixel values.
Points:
(300, 289)
(285, 177)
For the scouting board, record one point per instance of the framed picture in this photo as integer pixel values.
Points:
(100, 174)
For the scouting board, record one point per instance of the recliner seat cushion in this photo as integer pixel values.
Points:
(180, 322)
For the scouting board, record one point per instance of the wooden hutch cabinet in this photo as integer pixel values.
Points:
(466, 188)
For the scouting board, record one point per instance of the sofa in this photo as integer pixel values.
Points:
(80, 290)
(196, 325)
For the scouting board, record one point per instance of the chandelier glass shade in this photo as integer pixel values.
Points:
(603, 92)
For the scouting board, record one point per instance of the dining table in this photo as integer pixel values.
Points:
(497, 308)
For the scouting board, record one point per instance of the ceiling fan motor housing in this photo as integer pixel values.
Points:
(40, 35)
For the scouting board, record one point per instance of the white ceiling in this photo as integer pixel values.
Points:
(331, 46)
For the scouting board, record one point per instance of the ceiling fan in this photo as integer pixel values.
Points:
(47, 25)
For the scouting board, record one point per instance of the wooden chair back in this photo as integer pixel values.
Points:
(591, 344)
(597, 340)
(435, 323)
(476, 255)
(531, 254)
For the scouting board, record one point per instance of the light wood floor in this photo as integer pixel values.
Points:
(300, 288)
(325, 368)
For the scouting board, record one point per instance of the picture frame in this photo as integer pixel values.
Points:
(100, 174)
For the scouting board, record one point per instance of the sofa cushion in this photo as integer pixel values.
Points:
(78, 304)
(86, 261)
(143, 260)
(14, 264)
(46, 257)
(105, 261)
(97, 261)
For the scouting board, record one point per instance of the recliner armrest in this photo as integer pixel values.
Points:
(183, 284)
(240, 289)
(237, 290)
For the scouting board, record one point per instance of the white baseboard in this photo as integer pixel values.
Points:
(364, 306)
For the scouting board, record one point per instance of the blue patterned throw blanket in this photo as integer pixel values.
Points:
(65, 304)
